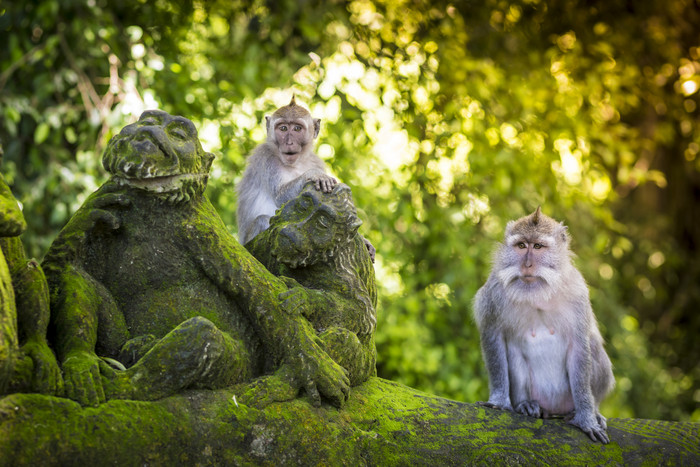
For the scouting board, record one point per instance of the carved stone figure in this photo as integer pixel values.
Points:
(151, 294)
(27, 364)
(313, 244)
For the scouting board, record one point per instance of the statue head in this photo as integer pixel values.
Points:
(314, 226)
(160, 154)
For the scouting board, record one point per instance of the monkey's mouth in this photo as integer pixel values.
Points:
(529, 279)
(162, 184)
(290, 157)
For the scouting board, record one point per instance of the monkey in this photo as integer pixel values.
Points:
(278, 169)
(540, 340)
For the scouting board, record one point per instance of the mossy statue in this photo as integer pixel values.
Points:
(27, 364)
(313, 245)
(150, 294)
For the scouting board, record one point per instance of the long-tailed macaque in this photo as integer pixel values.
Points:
(540, 340)
(279, 168)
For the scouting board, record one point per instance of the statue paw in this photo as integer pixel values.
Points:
(46, 377)
(82, 378)
(294, 301)
(322, 376)
(262, 392)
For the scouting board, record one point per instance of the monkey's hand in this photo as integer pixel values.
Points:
(324, 182)
(593, 425)
(81, 371)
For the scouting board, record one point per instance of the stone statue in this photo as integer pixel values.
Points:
(150, 294)
(314, 246)
(27, 364)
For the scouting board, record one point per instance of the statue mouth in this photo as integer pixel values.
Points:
(161, 184)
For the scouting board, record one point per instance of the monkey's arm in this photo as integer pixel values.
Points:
(493, 347)
(256, 202)
(579, 367)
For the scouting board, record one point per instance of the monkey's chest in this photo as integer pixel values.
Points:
(544, 350)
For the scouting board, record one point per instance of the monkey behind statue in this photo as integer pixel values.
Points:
(539, 337)
(279, 168)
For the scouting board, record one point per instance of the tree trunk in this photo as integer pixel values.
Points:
(383, 423)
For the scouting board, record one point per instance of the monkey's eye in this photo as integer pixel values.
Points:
(538, 246)
(297, 128)
(282, 128)
(522, 245)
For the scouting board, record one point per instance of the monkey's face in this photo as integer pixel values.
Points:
(530, 262)
(159, 153)
(292, 136)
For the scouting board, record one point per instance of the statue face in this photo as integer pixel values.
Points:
(157, 153)
(312, 226)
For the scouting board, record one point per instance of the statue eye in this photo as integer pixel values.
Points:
(323, 221)
(179, 133)
(522, 245)
(303, 204)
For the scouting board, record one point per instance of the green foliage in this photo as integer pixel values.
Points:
(446, 119)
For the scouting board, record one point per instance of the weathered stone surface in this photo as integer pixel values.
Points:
(314, 246)
(26, 362)
(150, 293)
(382, 423)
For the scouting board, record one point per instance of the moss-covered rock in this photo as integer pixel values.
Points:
(382, 423)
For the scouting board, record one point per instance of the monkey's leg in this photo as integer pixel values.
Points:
(195, 354)
(519, 372)
(260, 223)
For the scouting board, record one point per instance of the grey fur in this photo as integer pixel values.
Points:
(268, 182)
(539, 337)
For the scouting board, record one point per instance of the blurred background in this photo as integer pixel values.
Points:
(447, 119)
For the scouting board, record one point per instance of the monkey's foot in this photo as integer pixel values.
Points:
(529, 408)
(492, 405)
(594, 427)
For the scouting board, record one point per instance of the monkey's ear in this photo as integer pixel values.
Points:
(509, 228)
(317, 126)
(267, 123)
(564, 233)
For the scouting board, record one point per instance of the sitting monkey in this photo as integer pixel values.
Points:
(540, 341)
(279, 168)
